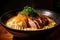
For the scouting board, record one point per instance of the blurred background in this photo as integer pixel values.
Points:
(6, 5)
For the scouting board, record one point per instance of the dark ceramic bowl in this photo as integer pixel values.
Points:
(22, 33)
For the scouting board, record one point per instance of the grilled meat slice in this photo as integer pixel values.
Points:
(38, 26)
(31, 23)
(39, 22)
(50, 19)
(45, 21)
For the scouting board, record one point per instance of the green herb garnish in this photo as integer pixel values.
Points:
(29, 11)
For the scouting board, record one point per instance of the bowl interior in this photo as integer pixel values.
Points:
(12, 13)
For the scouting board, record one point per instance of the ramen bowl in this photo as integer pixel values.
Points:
(25, 33)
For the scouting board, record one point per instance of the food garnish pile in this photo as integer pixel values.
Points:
(30, 19)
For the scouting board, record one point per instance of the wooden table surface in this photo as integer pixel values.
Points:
(5, 35)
